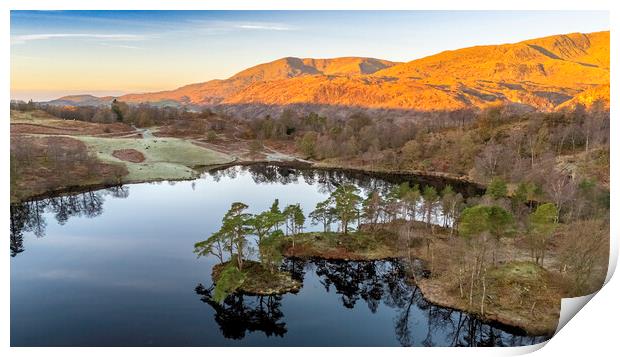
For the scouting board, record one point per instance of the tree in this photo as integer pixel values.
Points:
(324, 213)
(119, 108)
(544, 224)
(262, 224)
(346, 200)
(584, 254)
(371, 209)
(295, 219)
(214, 245)
(411, 199)
(430, 202)
(497, 188)
(230, 279)
(307, 144)
(478, 224)
(519, 198)
(270, 252)
(452, 204)
(277, 214)
(235, 226)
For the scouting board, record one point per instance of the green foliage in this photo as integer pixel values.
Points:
(430, 194)
(295, 218)
(214, 245)
(480, 219)
(211, 136)
(324, 213)
(119, 109)
(275, 207)
(262, 223)
(230, 279)
(346, 201)
(307, 144)
(497, 188)
(232, 234)
(270, 250)
(447, 191)
(544, 219)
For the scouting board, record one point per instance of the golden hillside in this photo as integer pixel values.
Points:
(540, 73)
(589, 97)
(215, 91)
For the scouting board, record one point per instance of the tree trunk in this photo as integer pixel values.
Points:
(484, 291)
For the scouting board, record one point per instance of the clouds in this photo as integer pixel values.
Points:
(223, 27)
(21, 39)
(266, 26)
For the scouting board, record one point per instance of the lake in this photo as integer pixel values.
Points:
(116, 267)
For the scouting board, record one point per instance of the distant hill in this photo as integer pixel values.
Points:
(539, 74)
(82, 100)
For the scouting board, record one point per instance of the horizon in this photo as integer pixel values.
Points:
(138, 44)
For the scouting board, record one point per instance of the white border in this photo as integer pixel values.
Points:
(591, 332)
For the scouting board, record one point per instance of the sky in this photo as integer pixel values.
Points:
(55, 53)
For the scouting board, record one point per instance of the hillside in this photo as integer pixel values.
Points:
(84, 99)
(216, 91)
(538, 74)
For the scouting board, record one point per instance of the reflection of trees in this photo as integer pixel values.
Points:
(239, 314)
(296, 267)
(29, 216)
(386, 282)
(328, 179)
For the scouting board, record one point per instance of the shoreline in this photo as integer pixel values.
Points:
(296, 164)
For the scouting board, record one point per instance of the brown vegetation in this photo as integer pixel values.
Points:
(260, 280)
(130, 155)
(43, 164)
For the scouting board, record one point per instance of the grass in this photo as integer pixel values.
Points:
(260, 281)
(352, 246)
(165, 158)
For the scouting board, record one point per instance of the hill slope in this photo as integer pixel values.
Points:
(539, 74)
(215, 91)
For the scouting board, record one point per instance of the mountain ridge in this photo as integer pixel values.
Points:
(539, 73)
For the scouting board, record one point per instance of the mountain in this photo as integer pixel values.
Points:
(540, 73)
(216, 91)
(81, 100)
(537, 74)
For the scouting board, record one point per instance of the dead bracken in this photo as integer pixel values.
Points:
(130, 155)
(260, 280)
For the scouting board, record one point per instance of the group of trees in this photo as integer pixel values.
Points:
(179, 119)
(67, 162)
(230, 243)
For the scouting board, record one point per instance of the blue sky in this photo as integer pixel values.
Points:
(64, 52)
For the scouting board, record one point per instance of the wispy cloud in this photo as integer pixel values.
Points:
(19, 39)
(221, 27)
(122, 46)
(264, 26)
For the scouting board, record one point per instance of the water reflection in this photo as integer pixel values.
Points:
(29, 216)
(374, 283)
(239, 314)
(328, 180)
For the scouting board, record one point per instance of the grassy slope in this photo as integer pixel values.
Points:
(165, 158)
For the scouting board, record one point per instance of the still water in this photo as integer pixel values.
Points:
(116, 267)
